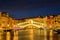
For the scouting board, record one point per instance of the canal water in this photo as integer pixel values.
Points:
(29, 34)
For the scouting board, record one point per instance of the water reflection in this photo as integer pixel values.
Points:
(8, 33)
(29, 34)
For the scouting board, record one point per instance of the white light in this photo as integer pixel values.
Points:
(7, 25)
(30, 21)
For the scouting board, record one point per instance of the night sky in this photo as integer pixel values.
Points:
(30, 8)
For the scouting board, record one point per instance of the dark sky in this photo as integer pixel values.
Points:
(30, 8)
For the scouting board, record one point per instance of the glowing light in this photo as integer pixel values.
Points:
(30, 21)
(8, 25)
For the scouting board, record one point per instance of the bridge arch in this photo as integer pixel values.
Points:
(31, 22)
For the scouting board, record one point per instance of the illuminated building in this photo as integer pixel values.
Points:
(57, 22)
(5, 20)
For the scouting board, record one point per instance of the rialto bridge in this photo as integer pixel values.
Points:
(30, 24)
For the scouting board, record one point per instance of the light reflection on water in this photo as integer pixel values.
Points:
(29, 34)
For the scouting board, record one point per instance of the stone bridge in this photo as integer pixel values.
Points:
(30, 22)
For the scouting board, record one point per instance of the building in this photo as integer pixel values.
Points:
(57, 22)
